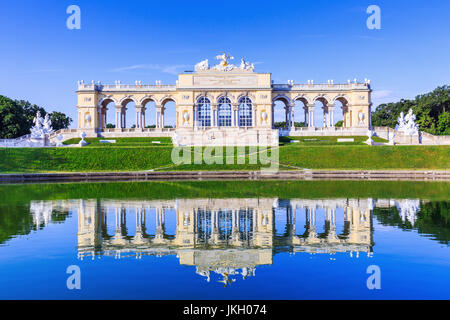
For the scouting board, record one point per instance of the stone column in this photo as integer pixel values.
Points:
(137, 119)
(158, 116)
(194, 116)
(99, 122)
(254, 124)
(143, 117)
(311, 115)
(305, 109)
(214, 115)
(235, 109)
(331, 108)
(118, 117)
(293, 117)
(139, 111)
(124, 118)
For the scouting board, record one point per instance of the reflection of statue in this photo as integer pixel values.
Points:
(408, 210)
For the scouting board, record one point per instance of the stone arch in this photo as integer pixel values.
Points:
(341, 109)
(282, 97)
(143, 102)
(168, 113)
(166, 99)
(322, 98)
(128, 113)
(148, 104)
(245, 94)
(106, 100)
(321, 114)
(284, 114)
(301, 113)
(106, 117)
(231, 97)
(303, 98)
(126, 100)
(205, 95)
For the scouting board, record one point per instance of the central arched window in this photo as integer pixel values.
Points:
(245, 112)
(224, 112)
(204, 112)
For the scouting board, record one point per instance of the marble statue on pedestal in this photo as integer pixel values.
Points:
(407, 124)
(41, 131)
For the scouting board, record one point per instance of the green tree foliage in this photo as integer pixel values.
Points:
(280, 125)
(60, 120)
(13, 122)
(16, 118)
(432, 111)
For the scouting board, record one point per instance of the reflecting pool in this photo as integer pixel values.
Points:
(226, 240)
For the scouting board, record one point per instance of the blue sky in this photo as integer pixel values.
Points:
(41, 60)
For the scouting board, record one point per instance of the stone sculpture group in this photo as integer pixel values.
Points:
(42, 129)
(407, 124)
(224, 65)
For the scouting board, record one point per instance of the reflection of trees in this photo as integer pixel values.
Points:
(16, 220)
(433, 218)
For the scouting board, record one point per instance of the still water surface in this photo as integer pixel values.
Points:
(223, 248)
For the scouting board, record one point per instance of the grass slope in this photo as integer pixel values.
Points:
(140, 154)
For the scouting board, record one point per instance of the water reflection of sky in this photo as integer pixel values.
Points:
(225, 249)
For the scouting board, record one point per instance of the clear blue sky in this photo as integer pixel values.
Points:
(41, 60)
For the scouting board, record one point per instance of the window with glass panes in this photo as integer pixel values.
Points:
(204, 112)
(245, 112)
(224, 112)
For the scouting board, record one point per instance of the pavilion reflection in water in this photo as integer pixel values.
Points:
(226, 236)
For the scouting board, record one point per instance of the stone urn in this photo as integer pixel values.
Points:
(264, 116)
(361, 118)
(186, 118)
(83, 136)
(59, 139)
(88, 120)
(370, 135)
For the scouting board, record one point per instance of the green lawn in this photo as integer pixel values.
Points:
(327, 141)
(140, 154)
(123, 142)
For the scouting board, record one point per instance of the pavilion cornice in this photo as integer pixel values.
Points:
(322, 87)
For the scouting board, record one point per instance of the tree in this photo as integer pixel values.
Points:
(60, 121)
(16, 118)
(13, 122)
(428, 109)
(444, 123)
(30, 111)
